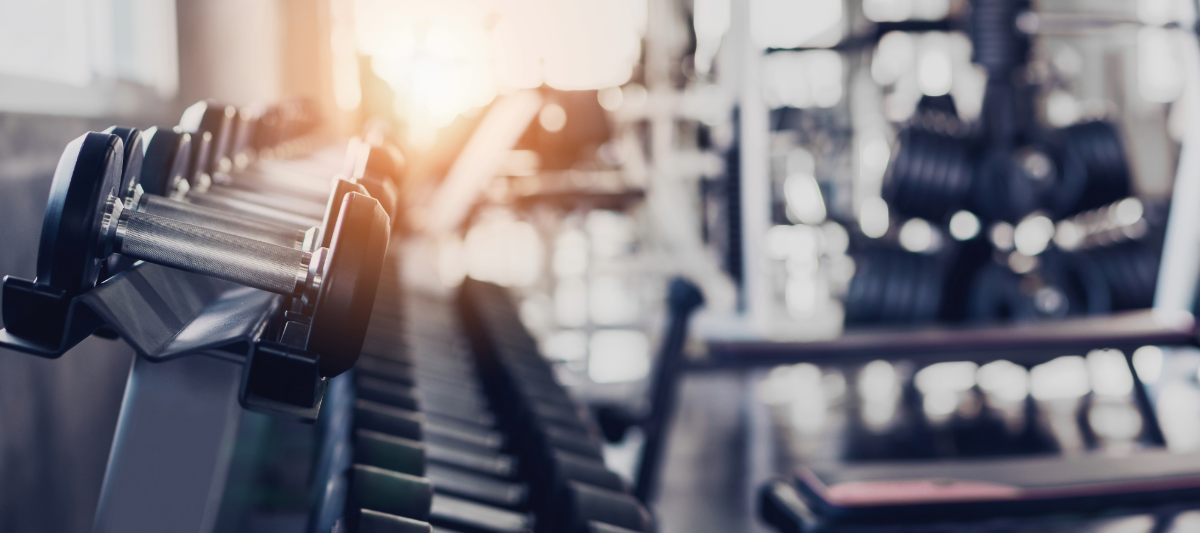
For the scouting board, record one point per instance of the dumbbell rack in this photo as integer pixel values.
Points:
(443, 422)
(465, 431)
(196, 340)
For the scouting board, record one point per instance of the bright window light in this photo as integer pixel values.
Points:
(570, 303)
(1148, 361)
(878, 379)
(612, 303)
(1159, 66)
(803, 79)
(873, 217)
(894, 55)
(955, 376)
(568, 345)
(1109, 373)
(804, 199)
(793, 23)
(507, 252)
(935, 71)
(552, 118)
(618, 355)
(445, 58)
(887, 10)
(1065, 377)
(1004, 380)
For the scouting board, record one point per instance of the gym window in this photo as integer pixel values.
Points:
(87, 57)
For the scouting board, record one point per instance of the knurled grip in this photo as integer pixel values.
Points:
(223, 221)
(192, 248)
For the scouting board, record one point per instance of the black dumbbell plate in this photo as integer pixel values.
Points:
(339, 322)
(89, 172)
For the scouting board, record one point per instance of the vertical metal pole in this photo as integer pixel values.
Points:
(172, 448)
(682, 300)
(1179, 270)
(754, 135)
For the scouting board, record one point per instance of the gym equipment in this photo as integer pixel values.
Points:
(169, 153)
(930, 175)
(86, 223)
(893, 286)
(287, 188)
(1061, 285)
(484, 424)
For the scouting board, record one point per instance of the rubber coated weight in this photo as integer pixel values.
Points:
(167, 159)
(478, 487)
(131, 168)
(1094, 151)
(204, 117)
(389, 420)
(391, 492)
(386, 160)
(587, 504)
(131, 160)
(893, 286)
(70, 254)
(376, 522)
(390, 452)
(351, 279)
(469, 516)
(564, 467)
(383, 191)
(930, 175)
(165, 156)
(333, 207)
(601, 527)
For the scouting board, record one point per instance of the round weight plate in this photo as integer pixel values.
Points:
(384, 191)
(167, 156)
(341, 187)
(69, 255)
(349, 284)
(386, 161)
(131, 166)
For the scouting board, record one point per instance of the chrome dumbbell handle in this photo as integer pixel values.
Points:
(249, 262)
(223, 221)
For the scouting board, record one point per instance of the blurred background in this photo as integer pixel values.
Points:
(815, 166)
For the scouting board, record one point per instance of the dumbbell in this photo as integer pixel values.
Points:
(470, 409)
(471, 501)
(555, 471)
(167, 158)
(211, 127)
(376, 168)
(589, 508)
(168, 154)
(86, 223)
(372, 167)
(576, 492)
(1061, 285)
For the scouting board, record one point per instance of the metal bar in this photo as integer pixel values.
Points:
(172, 447)
(1017, 342)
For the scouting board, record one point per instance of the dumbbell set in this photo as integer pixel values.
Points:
(555, 438)
(423, 435)
(419, 423)
(1003, 169)
(123, 196)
